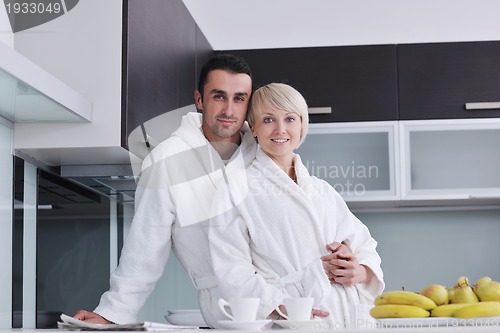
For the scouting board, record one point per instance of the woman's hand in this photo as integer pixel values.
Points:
(342, 267)
(91, 317)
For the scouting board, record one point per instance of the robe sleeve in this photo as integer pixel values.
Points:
(145, 251)
(232, 261)
(355, 234)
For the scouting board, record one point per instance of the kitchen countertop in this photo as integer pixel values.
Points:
(472, 329)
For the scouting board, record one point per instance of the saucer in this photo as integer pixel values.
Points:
(245, 325)
(313, 324)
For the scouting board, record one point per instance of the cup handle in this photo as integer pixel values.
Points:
(222, 305)
(281, 313)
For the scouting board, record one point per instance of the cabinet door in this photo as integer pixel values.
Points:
(357, 159)
(451, 159)
(357, 82)
(163, 46)
(437, 80)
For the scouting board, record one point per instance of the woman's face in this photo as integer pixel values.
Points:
(278, 132)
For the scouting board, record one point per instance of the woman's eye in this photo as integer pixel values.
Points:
(290, 119)
(267, 120)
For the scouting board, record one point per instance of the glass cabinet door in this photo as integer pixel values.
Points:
(451, 159)
(6, 228)
(357, 159)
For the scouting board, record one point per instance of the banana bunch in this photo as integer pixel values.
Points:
(460, 301)
(402, 304)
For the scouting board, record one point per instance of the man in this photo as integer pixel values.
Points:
(174, 195)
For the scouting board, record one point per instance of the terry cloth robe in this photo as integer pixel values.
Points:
(176, 187)
(270, 245)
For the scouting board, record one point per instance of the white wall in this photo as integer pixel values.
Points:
(6, 35)
(83, 49)
(421, 248)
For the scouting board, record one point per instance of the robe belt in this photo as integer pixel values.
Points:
(205, 282)
(290, 278)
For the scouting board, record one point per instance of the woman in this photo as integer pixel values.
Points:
(270, 245)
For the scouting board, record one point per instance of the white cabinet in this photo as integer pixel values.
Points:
(418, 162)
(450, 159)
(358, 159)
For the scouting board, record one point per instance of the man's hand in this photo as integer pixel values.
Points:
(342, 267)
(314, 312)
(90, 317)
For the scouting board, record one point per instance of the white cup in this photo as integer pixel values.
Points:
(298, 308)
(242, 309)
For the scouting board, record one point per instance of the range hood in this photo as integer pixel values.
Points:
(118, 181)
(28, 93)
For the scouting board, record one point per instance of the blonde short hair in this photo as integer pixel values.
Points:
(279, 96)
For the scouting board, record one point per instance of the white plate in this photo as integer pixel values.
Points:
(186, 317)
(245, 325)
(437, 322)
(313, 324)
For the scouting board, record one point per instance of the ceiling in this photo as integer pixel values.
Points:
(259, 24)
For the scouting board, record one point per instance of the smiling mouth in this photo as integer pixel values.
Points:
(280, 140)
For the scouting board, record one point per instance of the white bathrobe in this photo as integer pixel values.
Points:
(176, 187)
(270, 245)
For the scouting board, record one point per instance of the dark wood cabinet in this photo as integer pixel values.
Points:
(164, 50)
(357, 82)
(437, 80)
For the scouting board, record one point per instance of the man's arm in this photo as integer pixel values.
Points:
(342, 267)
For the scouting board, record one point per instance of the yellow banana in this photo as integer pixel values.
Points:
(481, 309)
(447, 309)
(398, 311)
(405, 298)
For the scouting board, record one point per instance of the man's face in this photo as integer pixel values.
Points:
(224, 105)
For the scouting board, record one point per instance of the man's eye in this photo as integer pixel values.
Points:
(240, 99)
(218, 97)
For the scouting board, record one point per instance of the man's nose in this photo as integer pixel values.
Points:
(229, 108)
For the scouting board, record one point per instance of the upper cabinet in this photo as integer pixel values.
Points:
(160, 72)
(388, 82)
(357, 82)
(450, 159)
(449, 80)
(360, 159)
(136, 61)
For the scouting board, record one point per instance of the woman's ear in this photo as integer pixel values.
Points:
(198, 100)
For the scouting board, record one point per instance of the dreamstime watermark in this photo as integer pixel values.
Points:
(347, 179)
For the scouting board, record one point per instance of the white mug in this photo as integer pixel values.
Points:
(242, 309)
(298, 308)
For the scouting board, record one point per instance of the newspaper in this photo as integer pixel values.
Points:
(72, 324)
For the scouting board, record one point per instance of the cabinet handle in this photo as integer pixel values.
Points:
(482, 106)
(320, 110)
(484, 196)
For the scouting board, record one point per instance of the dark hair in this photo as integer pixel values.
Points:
(226, 62)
